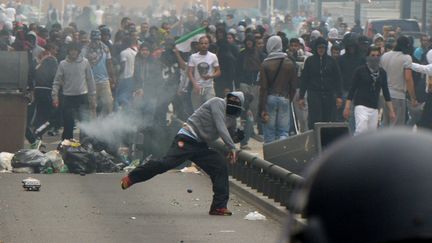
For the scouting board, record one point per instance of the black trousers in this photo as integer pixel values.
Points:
(426, 117)
(321, 107)
(185, 148)
(74, 107)
(44, 109)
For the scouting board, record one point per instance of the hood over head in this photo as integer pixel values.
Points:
(274, 44)
(320, 41)
(239, 95)
(315, 34)
(333, 33)
(377, 36)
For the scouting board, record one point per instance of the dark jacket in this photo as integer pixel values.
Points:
(282, 84)
(147, 73)
(365, 91)
(322, 75)
(45, 72)
(249, 63)
(349, 62)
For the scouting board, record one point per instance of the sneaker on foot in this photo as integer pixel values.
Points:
(125, 182)
(220, 212)
(36, 144)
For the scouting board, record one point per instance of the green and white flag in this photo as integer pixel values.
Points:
(183, 44)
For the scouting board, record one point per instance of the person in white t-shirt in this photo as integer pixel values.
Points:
(99, 16)
(10, 14)
(203, 68)
(397, 64)
(125, 85)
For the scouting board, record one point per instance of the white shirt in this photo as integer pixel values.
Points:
(203, 64)
(128, 57)
(99, 16)
(395, 63)
(10, 13)
(425, 69)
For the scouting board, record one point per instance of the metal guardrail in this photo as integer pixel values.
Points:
(267, 178)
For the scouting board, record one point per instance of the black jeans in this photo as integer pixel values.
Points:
(185, 148)
(44, 109)
(74, 107)
(426, 116)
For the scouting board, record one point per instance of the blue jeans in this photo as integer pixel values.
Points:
(278, 125)
(123, 93)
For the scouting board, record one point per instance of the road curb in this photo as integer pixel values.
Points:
(263, 203)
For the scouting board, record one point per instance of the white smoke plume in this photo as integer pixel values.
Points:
(117, 126)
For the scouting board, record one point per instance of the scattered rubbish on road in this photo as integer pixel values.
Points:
(23, 170)
(189, 190)
(56, 160)
(227, 231)
(84, 158)
(133, 218)
(255, 216)
(31, 184)
(29, 158)
(5, 162)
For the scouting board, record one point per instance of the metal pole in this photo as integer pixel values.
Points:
(271, 7)
(268, 8)
(357, 11)
(405, 9)
(424, 5)
(294, 7)
(62, 12)
(40, 11)
(318, 8)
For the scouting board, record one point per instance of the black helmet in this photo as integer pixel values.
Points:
(372, 188)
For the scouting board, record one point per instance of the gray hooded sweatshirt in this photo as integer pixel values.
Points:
(210, 121)
(274, 48)
(76, 78)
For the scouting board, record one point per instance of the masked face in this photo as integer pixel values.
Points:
(233, 107)
(373, 61)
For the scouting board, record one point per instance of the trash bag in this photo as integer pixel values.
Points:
(56, 160)
(5, 162)
(29, 158)
(106, 163)
(24, 170)
(79, 159)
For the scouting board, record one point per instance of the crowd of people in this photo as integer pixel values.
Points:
(275, 78)
(320, 73)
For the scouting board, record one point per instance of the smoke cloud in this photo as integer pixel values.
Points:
(120, 126)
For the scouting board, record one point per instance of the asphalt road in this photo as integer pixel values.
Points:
(93, 208)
